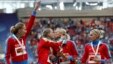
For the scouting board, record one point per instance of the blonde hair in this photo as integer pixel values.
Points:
(61, 30)
(98, 32)
(102, 33)
(68, 36)
(14, 29)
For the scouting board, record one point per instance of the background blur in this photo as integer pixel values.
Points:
(78, 17)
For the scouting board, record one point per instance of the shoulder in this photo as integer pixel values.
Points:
(104, 44)
(70, 42)
(10, 40)
(87, 45)
(43, 40)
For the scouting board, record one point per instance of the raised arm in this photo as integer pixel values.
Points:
(32, 18)
(85, 55)
(74, 50)
(107, 53)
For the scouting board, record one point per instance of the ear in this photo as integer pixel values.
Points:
(20, 31)
(97, 36)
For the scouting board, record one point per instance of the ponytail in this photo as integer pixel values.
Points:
(102, 32)
(14, 29)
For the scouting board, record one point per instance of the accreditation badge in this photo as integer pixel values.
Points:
(20, 51)
(98, 57)
(92, 57)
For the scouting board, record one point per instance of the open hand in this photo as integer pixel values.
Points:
(37, 5)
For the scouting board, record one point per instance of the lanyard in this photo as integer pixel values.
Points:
(21, 44)
(95, 52)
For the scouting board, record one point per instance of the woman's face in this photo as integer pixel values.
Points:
(22, 31)
(57, 34)
(51, 34)
(93, 36)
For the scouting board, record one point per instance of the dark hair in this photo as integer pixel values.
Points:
(14, 29)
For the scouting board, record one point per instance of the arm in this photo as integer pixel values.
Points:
(48, 43)
(74, 50)
(107, 53)
(73, 54)
(32, 19)
(85, 55)
(56, 46)
(8, 51)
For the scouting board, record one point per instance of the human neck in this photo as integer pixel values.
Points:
(95, 42)
(18, 36)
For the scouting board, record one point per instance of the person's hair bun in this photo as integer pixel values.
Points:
(12, 29)
(102, 33)
(98, 32)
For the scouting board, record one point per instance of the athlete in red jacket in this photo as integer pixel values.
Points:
(16, 49)
(95, 52)
(68, 50)
(45, 45)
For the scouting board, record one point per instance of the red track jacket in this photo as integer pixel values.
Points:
(70, 49)
(44, 50)
(103, 52)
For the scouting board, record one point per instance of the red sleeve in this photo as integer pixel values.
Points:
(85, 55)
(107, 53)
(30, 24)
(56, 48)
(74, 50)
(50, 44)
(8, 51)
